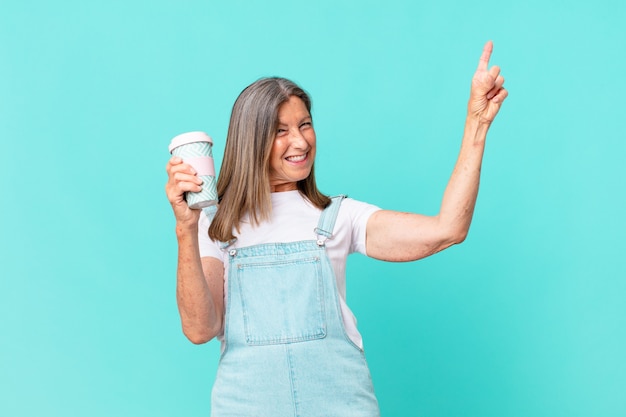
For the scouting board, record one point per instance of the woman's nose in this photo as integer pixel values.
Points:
(297, 138)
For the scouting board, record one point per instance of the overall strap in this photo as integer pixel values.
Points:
(326, 224)
(210, 211)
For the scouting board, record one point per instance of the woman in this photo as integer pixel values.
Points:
(265, 273)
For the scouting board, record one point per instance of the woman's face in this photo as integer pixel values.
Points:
(293, 150)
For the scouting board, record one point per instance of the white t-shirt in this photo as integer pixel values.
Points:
(294, 219)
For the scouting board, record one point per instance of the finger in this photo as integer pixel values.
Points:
(483, 63)
(185, 186)
(492, 93)
(502, 94)
(174, 167)
(174, 160)
(496, 87)
(494, 71)
(184, 176)
(178, 186)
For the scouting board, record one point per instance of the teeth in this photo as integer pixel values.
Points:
(297, 158)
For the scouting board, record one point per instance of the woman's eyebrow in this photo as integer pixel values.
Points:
(300, 121)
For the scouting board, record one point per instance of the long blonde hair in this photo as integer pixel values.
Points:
(243, 184)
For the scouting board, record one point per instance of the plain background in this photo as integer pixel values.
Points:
(526, 318)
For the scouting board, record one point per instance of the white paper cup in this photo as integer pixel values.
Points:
(196, 149)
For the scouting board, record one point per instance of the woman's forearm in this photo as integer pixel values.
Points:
(200, 314)
(396, 236)
(459, 199)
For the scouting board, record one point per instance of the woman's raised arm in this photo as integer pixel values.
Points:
(396, 236)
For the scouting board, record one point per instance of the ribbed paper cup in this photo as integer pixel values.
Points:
(196, 149)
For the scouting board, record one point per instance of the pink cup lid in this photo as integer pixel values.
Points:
(189, 137)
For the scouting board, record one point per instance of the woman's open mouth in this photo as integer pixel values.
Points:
(297, 158)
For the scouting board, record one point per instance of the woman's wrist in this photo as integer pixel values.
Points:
(476, 119)
(476, 129)
(185, 228)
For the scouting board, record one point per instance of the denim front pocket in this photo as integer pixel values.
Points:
(282, 302)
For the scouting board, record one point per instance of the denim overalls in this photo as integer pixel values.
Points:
(286, 351)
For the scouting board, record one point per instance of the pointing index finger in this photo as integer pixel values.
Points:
(483, 63)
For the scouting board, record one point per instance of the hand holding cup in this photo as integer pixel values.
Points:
(191, 175)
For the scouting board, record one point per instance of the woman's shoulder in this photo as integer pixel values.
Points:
(356, 208)
(351, 224)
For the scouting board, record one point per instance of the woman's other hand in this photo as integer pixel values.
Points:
(487, 93)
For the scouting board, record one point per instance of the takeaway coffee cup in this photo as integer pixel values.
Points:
(195, 149)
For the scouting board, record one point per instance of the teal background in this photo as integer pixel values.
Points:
(526, 318)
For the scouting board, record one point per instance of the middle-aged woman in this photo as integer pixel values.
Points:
(265, 272)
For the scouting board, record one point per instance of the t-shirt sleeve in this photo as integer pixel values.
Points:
(359, 213)
(207, 246)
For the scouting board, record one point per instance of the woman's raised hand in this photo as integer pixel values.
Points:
(181, 178)
(487, 93)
